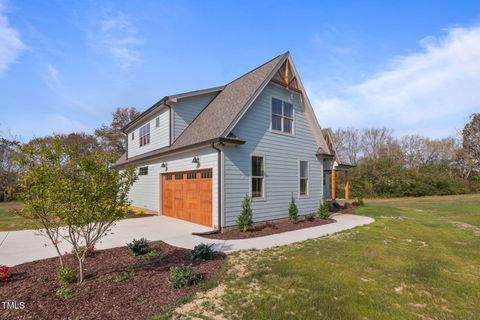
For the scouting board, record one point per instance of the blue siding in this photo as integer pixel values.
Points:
(185, 110)
(327, 186)
(282, 155)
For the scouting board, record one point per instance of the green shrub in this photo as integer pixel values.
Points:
(323, 210)
(122, 277)
(66, 275)
(181, 277)
(358, 203)
(292, 211)
(202, 252)
(65, 292)
(139, 247)
(151, 255)
(244, 220)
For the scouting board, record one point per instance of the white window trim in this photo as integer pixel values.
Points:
(292, 134)
(140, 135)
(148, 169)
(264, 184)
(308, 179)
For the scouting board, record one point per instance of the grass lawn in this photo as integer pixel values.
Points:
(420, 259)
(10, 221)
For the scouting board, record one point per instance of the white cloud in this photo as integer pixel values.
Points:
(429, 92)
(115, 35)
(10, 43)
(52, 78)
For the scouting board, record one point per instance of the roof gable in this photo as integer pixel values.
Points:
(286, 75)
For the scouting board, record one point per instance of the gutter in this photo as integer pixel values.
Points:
(170, 151)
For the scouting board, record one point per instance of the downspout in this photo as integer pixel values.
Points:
(219, 173)
(170, 123)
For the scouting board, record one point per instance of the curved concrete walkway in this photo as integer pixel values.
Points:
(28, 245)
(344, 222)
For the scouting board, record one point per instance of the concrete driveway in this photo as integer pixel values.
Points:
(28, 245)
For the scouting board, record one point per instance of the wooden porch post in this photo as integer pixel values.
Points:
(332, 193)
(347, 186)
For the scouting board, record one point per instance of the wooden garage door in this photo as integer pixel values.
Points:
(188, 196)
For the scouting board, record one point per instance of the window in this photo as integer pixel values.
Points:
(133, 135)
(258, 177)
(145, 135)
(178, 176)
(168, 177)
(304, 178)
(191, 175)
(157, 122)
(206, 175)
(143, 171)
(282, 116)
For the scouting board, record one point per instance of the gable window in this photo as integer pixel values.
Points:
(157, 122)
(145, 135)
(143, 171)
(258, 177)
(133, 135)
(304, 178)
(282, 116)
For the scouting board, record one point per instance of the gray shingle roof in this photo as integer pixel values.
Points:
(228, 104)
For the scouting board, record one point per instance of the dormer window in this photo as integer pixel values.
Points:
(157, 122)
(282, 116)
(133, 135)
(145, 135)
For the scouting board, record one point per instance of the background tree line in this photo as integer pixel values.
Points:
(412, 165)
(108, 139)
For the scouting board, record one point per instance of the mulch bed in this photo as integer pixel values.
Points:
(268, 229)
(131, 215)
(145, 294)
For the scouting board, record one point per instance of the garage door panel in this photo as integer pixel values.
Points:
(188, 196)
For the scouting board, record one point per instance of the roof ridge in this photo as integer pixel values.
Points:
(184, 132)
(263, 64)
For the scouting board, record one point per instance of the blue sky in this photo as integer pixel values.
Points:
(413, 66)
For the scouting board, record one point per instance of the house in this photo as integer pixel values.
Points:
(332, 166)
(199, 153)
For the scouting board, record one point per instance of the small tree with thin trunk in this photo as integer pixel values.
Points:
(293, 211)
(244, 220)
(77, 196)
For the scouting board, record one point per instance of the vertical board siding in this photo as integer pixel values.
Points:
(146, 192)
(159, 137)
(185, 110)
(282, 155)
